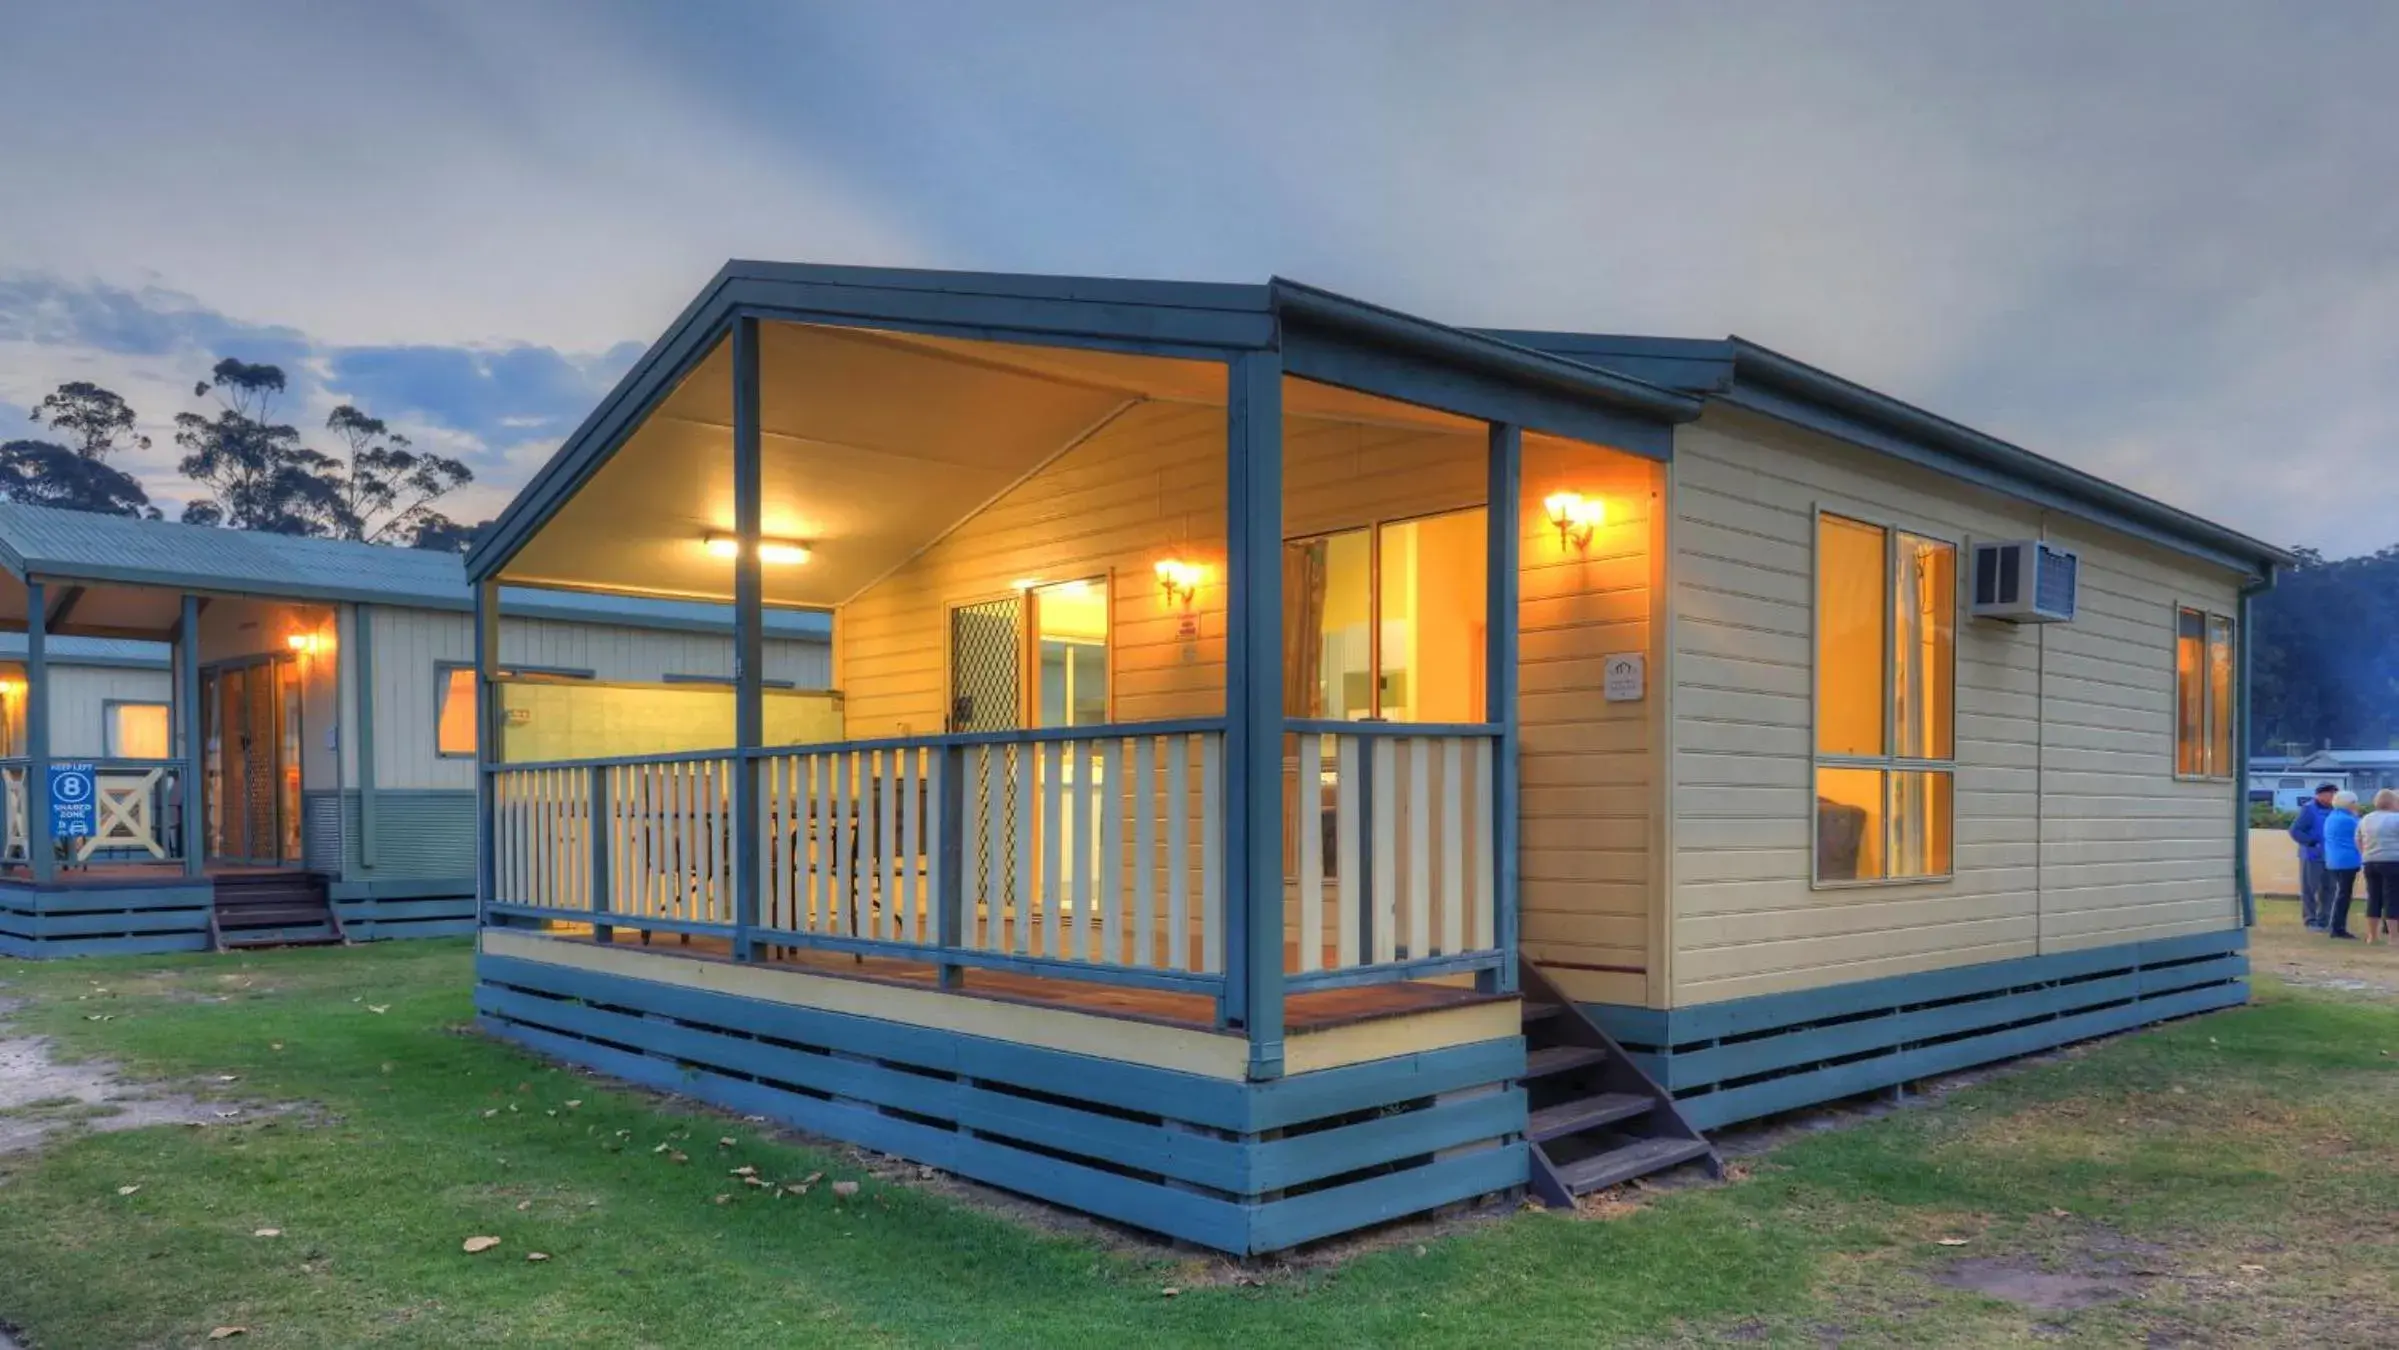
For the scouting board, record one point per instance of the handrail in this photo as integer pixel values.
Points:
(1186, 726)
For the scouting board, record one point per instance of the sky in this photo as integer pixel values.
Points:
(2159, 241)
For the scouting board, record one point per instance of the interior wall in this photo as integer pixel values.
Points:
(2071, 829)
(557, 719)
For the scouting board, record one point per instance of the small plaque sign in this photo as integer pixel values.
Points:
(1622, 678)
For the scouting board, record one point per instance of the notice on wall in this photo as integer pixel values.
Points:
(1623, 677)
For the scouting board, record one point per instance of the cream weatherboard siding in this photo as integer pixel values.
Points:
(1151, 485)
(2071, 828)
(412, 645)
(79, 699)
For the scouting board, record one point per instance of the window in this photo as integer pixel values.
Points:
(1886, 685)
(1070, 653)
(1388, 621)
(454, 712)
(135, 731)
(2203, 690)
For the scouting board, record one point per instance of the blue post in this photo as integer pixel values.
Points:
(189, 719)
(749, 653)
(487, 737)
(40, 851)
(1253, 808)
(1503, 515)
(949, 869)
(602, 825)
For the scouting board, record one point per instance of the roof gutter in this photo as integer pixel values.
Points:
(1296, 303)
(1753, 362)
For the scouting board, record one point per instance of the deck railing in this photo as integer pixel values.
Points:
(1094, 853)
(135, 815)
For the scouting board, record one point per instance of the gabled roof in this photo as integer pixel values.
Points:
(81, 547)
(1320, 336)
(1744, 374)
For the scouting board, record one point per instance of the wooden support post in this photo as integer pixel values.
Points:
(487, 740)
(1503, 514)
(1252, 861)
(189, 720)
(949, 857)
(40, 851)
(361, 657)
(749, 586)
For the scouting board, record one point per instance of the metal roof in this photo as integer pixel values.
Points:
(62, 650)
(1759, 379)
(85, 547)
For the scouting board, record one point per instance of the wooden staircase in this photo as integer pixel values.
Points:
(1597, 1119)
(272, 909)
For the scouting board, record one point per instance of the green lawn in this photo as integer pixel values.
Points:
(2225, 1180)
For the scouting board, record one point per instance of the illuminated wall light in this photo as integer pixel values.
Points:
(1179, 581)
(1576, 517)
(304, 643)
(11, 688)
(769, 550)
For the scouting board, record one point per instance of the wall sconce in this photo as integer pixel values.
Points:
(11, 688)
(306, 644)
(1576, 518)
(769, 550)
(1179, 581)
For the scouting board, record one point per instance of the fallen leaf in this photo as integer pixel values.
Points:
(379, 1008)
(2061, 1214)
(268, 1232)
(229, 1078)
(812, 1178)
(492, 1112)
(127, 1190)
(274, 1045)
(2253, 1270)
(1169, 1292)
(845, 1188)
(227, 1333)
(573, 1102)
(753, 1181)
(743, 1171)
(537, 1256)
(727, 1142)
(479, 1244)
(679, 1156)
(1950, 1242)
(660, 1149)
(724, 1199)
(523, 1205)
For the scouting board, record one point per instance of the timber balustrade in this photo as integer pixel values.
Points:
(137, 814)
(1092, 853)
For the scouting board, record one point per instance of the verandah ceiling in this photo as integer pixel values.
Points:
(873, 445)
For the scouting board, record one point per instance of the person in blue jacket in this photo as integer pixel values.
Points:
(2314, 886)
(2341, 861)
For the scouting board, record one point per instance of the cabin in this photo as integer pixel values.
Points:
(1298, 764)
(273, 739)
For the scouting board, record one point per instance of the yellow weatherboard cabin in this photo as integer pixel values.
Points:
(1292, 764)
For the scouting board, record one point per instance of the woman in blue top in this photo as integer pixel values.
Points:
(2341, 860)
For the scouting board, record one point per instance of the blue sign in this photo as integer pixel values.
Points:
(74, 801)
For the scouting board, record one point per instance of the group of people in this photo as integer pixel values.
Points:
(2335, 845)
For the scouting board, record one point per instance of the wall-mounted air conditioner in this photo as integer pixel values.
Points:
(2024, 581)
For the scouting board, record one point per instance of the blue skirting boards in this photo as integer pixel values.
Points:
(1738, 1060)
(1236, 1166)
(138, 919)
(378, 911)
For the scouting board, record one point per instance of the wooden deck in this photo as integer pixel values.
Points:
(106, 875)
(1314, 1010)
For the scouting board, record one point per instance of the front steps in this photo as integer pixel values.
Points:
(1596, 1119)
(272, 909)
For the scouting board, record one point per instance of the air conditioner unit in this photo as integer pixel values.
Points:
(2024, 581)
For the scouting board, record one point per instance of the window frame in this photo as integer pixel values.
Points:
(442, 671)
(2208, 618)
(108, 713)
(1888, 762)
(441, 679)
(1373, 529)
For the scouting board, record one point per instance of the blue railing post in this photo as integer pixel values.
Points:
(601, 825)
(1253, 782)
(189, 720)
(749, 588)
(40, 849)
(487, 744)
(1504, 517)
(949, 859)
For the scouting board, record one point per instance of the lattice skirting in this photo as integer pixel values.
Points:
(1241, 1167)
(1745, 1058)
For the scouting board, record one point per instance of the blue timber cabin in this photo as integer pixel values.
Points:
(1237, 828)
(320, 695)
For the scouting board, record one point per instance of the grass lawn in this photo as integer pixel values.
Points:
(2228, 1180)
